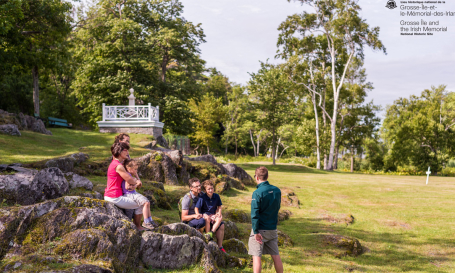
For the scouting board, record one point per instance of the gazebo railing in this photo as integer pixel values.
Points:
(130, 112)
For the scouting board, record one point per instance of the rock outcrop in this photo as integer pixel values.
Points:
(235, 245)
(67, 163)
(230, 169)
(230, 230)
(284, 239)
(350, 246)
(283, 215)
(170, 252)
(23, 122)
(237, 215)
(235, 171)
(289, 198)
(77, 181)
(82, 227)
(10, 129)
(29, 187)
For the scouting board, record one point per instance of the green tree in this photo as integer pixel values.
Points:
(30, 30)
(141, 44)
(345, 33)
(271, 94)
(209, 112)
(420, 130)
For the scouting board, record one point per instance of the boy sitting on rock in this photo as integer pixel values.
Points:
(210, 206)
(129, 191)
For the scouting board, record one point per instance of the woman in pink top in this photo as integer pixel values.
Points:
(116, 173)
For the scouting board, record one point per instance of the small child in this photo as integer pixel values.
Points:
(129, 191)
(209, 204)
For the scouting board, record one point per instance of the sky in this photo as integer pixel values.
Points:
(240, 33)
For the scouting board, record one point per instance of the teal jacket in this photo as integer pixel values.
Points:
(265, 206)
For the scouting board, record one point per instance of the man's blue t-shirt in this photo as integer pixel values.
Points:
(208, 205)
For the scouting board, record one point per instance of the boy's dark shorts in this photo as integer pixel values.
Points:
(197, 223)
(269, 243)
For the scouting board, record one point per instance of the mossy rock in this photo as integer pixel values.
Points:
(237, 215)
(35, 263)
(81, 226)
(158, 220)
(284, 215)
(87, 243)
(203, 170)
(289, 198)
(350, 246)
(284, 239)
(154, 191)
(235, 245)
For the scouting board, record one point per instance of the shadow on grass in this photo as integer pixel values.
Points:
(397, 252)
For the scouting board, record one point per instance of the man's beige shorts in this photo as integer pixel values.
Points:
(269, 243)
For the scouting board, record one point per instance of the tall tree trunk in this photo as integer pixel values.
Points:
(325, 161)
(252, 142)
(273, 148)
(277, 149)
(318, 150)
(35, 76)
(164, 68)
(352, 158)
(208, 150)
(335, 164)
(227, 139)
(336, 96)
(258, 142)
(236, 145)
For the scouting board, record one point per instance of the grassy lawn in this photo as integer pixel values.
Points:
(31, 147)
(405, 225)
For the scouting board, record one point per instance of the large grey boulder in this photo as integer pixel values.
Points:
(67, 163)
(28, 187)
(38, 126)
(10, 129)
(49, 184)
(180, 229)
(234, 245)
(230, 230)
(206, 158)
(15, 189)
(77, 181)
(237, 215)
(235, 171)
(170, 172)
(30, 123)
(170, 252)
(160, 140)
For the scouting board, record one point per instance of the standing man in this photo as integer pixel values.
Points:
(264, 218)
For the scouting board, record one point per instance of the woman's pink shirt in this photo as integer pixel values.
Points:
(114, 181)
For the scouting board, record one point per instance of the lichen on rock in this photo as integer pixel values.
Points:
(237, 215)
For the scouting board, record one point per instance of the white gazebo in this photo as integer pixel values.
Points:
(131, 118)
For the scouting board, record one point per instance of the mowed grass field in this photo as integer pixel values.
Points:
(405, 225)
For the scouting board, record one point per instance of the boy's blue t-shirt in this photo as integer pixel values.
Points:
(208, 205)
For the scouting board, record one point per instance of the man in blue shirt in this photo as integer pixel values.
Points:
(265, 205)
(209, 204)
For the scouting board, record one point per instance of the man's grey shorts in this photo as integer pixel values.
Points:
(269, 243)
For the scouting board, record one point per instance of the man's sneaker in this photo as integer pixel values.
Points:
(222, 249)
(148, 226)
